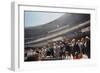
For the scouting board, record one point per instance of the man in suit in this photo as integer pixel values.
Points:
(87, 46)
(75, 50)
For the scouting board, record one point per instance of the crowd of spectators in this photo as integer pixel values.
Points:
(60, 50)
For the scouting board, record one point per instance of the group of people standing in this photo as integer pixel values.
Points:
(62, 49)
